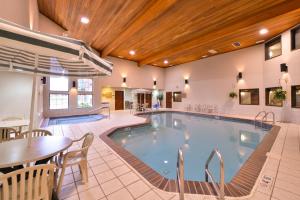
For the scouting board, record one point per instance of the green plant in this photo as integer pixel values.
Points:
(160, 96)
(280, 94)
(233, 95)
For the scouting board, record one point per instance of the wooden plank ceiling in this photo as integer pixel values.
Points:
(179, 31)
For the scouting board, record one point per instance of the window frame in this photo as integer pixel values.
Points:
(267, 91)
(179, 93)
(85, 93)
(293, 37)
(59, 93)
(271, 42)
(246, 90)
(294, 88)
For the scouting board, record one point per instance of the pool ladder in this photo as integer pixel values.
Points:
(208, 175)
(264, 118)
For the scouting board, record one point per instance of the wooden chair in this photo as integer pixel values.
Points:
(31, 183)
(36, 133)
(7, 134)
(76, 157)
(13, 118)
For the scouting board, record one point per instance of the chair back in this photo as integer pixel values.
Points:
(87, 142)
(7, 134)
(30, 183)
(36, 133)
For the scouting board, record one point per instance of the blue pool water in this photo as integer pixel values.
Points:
(75, 119)
(157, 144)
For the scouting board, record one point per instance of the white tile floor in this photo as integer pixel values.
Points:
(110, 178)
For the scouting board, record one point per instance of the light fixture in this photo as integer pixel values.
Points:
(74, 84)
(154, 82)
(283, 67)
(43, 80)
(263, 31)
(204, 56)
(124, 79)
(132, 52)
(239, 76)
(84, 20)
(212, 51)
(166, 61)
(186, 81)
(260, 41)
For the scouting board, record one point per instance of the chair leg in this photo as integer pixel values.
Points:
(84, 171)
(61, 178)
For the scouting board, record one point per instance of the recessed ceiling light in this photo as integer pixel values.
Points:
(84, 20)
(166, 61)
(121, 56)
(260, 41)
(212, 51)
(204, 56)
(236, 44)
(263, 31)
(131, 52)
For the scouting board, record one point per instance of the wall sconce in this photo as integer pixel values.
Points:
(124, 79)
(283, 67)
(44, 80)
(74, 84)
(239, 76)
(154, 82)
(186, 81)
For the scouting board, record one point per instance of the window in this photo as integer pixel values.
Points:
(85, 93)
(59, 97)
(273, 48)
(270, 100)
(296, 96)
(177, 97)
(295, 34)
(59, 101)
(59, 84)
(249, 96)
(85, 85)
(85, 101)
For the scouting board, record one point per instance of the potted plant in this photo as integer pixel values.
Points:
(160, 97)
(280, 94)
(233, 95)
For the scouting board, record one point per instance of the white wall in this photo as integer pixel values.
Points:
(211, 79)
(136, 77)
(16, 11)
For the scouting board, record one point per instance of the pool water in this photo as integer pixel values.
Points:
(157, 144)
(75, 119)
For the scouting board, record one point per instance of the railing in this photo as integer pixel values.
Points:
(180, 174)
(219, 188)
(261, 121)
(265, 118)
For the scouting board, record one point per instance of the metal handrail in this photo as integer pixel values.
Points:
(220, 188)
(180, 174)
(265, 118)
(258, 114)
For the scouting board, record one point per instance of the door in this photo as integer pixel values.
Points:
(119, 100)
(168, 99)
(149, 100)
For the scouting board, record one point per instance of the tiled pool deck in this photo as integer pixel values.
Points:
(110, 177)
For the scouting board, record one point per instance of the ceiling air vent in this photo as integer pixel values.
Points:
(236, 44)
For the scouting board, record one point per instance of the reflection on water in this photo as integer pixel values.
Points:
(157, 144)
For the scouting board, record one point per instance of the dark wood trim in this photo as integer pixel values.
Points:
(293, 37)
(293, 94)
(246, 90)
(267, 91)
(270, 43)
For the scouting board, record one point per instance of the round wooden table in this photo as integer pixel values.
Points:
(18, 152)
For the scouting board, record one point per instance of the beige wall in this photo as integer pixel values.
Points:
(16, 11)
(211, 79)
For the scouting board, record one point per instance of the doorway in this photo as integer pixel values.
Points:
(168, 99)
(119, 100)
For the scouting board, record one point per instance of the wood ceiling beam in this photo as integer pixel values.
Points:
(153, 12)
(222, 30)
